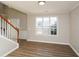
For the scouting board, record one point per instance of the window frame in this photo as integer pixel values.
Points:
(49, 24)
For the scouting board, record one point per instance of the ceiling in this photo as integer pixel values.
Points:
(49, 8)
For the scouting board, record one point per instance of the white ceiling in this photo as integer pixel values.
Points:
(49, 7)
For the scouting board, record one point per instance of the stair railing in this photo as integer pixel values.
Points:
(5, 25)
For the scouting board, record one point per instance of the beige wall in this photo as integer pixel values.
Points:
(20, 19)
(17, 18)
(63, 30)
(14, 14)
(3, 9)
(74, 27)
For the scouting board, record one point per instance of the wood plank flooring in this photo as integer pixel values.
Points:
(38, 49)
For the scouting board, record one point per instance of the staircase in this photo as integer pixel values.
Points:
(9, 36)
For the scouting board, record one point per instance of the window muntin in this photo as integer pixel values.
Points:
(39, 22)
(46, 25)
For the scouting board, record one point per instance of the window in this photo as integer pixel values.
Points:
(46, 25)
(53, 25)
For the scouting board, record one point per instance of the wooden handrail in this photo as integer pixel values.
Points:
(7, 21)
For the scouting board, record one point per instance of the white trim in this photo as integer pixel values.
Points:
(49, 42)
(11, 50)
(74, 49)
(8, 39)
(17, 46)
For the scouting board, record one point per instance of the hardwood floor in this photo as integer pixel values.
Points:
(38, 49)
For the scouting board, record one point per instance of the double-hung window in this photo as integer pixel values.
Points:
(46, 25)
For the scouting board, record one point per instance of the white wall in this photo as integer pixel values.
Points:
(7, 46)
(23, 34)
(63, 30)
(74, 24)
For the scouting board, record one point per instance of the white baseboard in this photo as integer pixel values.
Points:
(8, 39)
(49, 42)
(11, 50)
(17, 46)
(74, 50)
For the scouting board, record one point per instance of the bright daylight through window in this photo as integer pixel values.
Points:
(46, 25)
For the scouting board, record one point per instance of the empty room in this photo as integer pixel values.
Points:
(39, 28)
